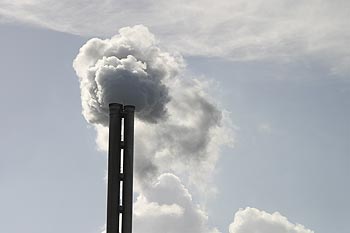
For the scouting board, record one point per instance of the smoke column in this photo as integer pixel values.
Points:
(179, 129)
(128, 68)
(176, 121)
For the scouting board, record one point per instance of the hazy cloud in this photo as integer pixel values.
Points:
(240, 30)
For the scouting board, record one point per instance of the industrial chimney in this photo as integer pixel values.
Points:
(120, 168)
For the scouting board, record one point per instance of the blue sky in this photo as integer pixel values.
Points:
(289, 113)
(298, 165)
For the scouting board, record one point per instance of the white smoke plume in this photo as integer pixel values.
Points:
(128, 68)
(251, 220)
(178, 127)
(179, 131)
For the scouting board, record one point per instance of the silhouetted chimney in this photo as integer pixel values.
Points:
(120, 168)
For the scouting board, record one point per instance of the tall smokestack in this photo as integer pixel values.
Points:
(120, 176)
(128, 168)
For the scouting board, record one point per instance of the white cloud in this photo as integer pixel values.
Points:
(167, 206)
(143, 208)
(251, 220)
(240, 30)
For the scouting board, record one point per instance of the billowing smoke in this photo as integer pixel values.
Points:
(186, 143)
(179, 130)
(128, 68)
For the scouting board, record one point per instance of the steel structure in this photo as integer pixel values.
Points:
(120, 168)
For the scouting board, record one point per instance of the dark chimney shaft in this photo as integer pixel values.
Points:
(120, 176)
